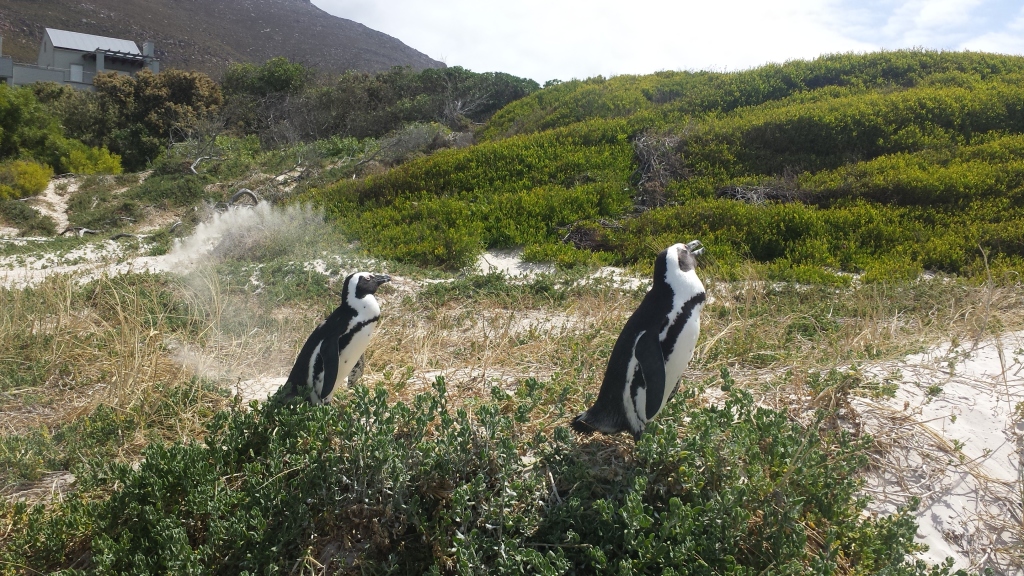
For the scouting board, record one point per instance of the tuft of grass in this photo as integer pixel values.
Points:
(98, 205)
(27, 219)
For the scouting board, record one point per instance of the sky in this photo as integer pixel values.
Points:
(561, 39)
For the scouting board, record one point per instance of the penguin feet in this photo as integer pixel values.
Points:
(580, 426)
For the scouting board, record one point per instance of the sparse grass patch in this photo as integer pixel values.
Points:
(760, 323)
(27, 219)
(96, 206)
(69, 348)
(42, 246)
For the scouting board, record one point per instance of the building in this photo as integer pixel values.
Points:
(74, 59)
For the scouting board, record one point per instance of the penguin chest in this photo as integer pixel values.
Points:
(351, 351)
(682, 352)
(350, 348)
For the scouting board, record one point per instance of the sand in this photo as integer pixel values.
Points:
(952, 436)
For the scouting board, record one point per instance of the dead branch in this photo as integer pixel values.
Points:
(80, 230)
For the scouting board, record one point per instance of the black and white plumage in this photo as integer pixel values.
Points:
(336, 346)
(653, 349)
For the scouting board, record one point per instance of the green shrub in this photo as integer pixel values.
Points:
(275, 75)
(95, 206)
(141, 111)
(283, 102)
(340, 147)
(27, 219)
(27, 129)
(23, 178)
(100, 434)
(440, 232)
(171, 190)
(419, 488)
(84, 160)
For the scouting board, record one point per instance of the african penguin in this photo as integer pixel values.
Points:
(336, 346)
(652, 351)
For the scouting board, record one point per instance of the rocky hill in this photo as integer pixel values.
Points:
(207, 35)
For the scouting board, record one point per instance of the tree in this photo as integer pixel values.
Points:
(147, 107)
(27, 129)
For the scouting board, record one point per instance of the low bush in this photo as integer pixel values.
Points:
(21, 178)
(95, 205)
(171, 191)
(84, 160)
(27, 219)
(373, 487)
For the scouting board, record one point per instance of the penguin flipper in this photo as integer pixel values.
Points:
(652, 366)
(329, 353)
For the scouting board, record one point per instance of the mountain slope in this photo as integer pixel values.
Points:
(208, 35)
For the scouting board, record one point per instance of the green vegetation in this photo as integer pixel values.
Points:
(444, 209)
(95, 205)
(430, 489)
(29, 131)
(20, 178)
(27, 219)
(886, 165)
(454, 481)
(883, 164)
(285, 102)
(135, 117)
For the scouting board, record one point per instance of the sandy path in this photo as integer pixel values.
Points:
(953, 436)
(54, 203)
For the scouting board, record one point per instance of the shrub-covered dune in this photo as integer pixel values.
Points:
(886, 164)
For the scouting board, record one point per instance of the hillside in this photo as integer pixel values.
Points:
(885, 164)
(208, 35)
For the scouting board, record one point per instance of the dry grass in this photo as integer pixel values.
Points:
(71, 348)
(112, 344)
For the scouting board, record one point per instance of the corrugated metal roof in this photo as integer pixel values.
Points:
(90, 43)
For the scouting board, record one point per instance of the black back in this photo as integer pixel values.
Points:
(607, 414)
(330, 331)
(650, 316)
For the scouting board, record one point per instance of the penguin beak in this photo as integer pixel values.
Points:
(695, 247)
(379, 279)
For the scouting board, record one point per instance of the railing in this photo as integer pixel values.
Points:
(30, 73)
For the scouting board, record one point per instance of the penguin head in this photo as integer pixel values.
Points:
(681, 257)
(362, 284)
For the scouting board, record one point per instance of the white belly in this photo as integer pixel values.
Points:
(350, 355)
(681, 355)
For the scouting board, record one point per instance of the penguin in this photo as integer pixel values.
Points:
(336, 346)
(653, 349)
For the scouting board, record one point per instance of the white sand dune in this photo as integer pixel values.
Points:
(952, 436)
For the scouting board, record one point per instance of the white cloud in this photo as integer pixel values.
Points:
(545, 39)
(1010, 40)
